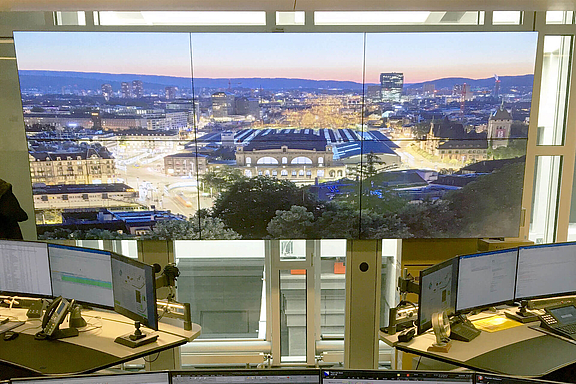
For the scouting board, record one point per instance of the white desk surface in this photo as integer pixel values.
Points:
(103, 327)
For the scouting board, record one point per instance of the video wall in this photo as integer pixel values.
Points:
(288, 135)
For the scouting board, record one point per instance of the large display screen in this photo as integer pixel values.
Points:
(268, 135)
(82, 274)
(546, 270)
(486, 279)
(24, 268)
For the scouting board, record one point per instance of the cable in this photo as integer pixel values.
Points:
(417, 364)
(151, 361)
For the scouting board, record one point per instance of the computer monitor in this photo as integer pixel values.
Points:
(81, 273)
(259, 376)
(437, 292)
(486, 279)
(24, 268)
(134, 289)
(121, 378)
(489, 378)
(546, 270)
(339, 376)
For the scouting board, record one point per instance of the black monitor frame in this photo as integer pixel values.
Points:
(72, 377)
(83, 302)
(248, 372)
(510, 301)
(493, 378)
(151, 300)
(552, 245)
(29, 294)
(423, 327)
(406, 376)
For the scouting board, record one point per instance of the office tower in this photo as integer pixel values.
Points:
(126, 90)
(248, 106)
(96, 119)
(496, 91)
(428, 88)
(222, 104)
(137, 89)
(106, 91)
(373, 93)
(171, 92)
(462, 92)
(391, 86)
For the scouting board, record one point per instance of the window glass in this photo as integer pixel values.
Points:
(554, 90)
(545, 199)
(223, 282)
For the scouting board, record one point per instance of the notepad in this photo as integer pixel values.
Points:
(495, 324)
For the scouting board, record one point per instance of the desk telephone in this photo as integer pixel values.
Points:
(561, 320)
(54, 316)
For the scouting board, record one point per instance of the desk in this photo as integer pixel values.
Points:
(92, 350)
(515, 351)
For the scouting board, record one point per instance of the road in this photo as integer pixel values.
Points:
(149, 177)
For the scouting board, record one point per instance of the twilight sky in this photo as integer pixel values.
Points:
(319, 56)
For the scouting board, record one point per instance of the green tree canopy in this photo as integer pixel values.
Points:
(201, 226)
(297, 223)
(248, 205)
(222, 178)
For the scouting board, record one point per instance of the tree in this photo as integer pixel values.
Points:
(248, 205)
(368, 167)
(200, 226)
(222, 178)
(297, 223)
(489, 206)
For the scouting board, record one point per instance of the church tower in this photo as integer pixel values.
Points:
(499, 127)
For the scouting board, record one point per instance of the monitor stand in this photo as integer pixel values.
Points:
(136, 339)
(522, 315)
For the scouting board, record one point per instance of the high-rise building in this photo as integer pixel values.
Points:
(171, 93)
(126, 90)
(106, 91)
(462, 92)
(391, 85)
(248, 106)
(222, 104)
(137, 89)
(428, 89)
(373, 93)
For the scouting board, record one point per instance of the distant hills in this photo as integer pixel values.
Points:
(55, 80)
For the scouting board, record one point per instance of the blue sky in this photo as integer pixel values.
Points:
(337, 56)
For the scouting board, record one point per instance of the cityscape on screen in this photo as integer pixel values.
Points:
(287, 136)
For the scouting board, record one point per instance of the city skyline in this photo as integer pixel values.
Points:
(298, 56)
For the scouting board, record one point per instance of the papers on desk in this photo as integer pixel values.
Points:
(495, 323)
(10, 325)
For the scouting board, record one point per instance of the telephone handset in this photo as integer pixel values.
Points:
(561, 320)
(54, 316)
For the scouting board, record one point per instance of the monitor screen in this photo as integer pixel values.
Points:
(339, 376)
(546, 270)
(489, 378)
(134, 287)
(486, 279)
(82, 274)
(122, 378)
(274, 376)
(24, 268)
(437, 292)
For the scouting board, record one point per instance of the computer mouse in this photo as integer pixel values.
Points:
(10, 335)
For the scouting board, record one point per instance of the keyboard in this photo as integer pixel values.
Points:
(569, 329)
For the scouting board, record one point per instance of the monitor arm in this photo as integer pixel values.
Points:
(169, 307)
(167, 279)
